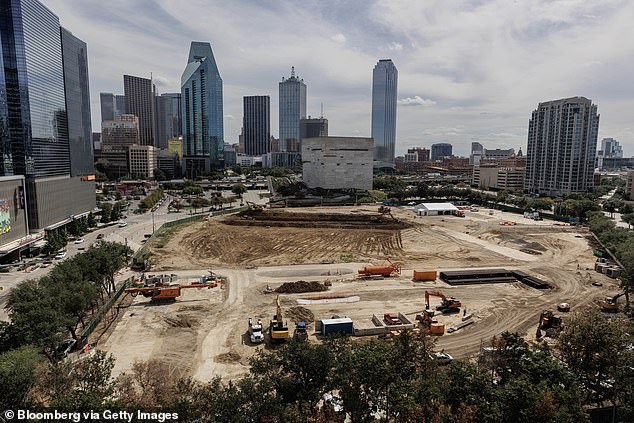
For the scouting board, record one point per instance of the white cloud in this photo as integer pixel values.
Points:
(161, 81)
(416, 101)
(394, 46)
(339, 38)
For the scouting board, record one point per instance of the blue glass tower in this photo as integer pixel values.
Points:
(292, 109)
(384, 85)
(202, 117)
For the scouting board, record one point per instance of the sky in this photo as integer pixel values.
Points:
(469, 70)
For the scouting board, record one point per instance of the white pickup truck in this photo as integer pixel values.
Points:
(255, 331)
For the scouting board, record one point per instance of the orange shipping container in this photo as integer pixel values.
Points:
(424, 275)
(437, 329)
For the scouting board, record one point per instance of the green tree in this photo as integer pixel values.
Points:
(17, 374)
(106, 213)
(628, 218)
(238, 189)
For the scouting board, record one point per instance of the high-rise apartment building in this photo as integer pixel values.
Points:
(562, 143)
(75, 60)
(440, 150)
(140, 96)
(111, 105)
(168, 118)
(42, 87)
(611, 148)
(202, 116)
(384, 95)
(256, 123)
(313, 127)
(292, 108)
(122, 131)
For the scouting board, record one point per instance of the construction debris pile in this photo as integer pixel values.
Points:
(300, 314)
(301, 287)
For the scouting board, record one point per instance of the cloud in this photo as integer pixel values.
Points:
(416, 101)
(394, 46)
(161, 81)
(339, 38)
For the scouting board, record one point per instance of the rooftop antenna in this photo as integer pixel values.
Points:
(322, 110)
(292, 71)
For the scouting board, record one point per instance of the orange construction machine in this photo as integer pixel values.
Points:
(384, 270)
(448, 305)
(163, 291)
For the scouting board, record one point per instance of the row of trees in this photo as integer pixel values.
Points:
(387, 380)
(150, 200)
(44, 311)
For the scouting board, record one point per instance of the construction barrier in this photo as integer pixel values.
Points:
(87, 330)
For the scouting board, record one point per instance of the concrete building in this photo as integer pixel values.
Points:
(202, 116)
(256, 124)
(122, 131)
(142, 160)
(498, 177)
(440, 150)
(168, 118)
(140, 101)
(282, 159)
(417, 154)
(499, 153)
(44, 115)
(337, 162)
(175, 145)
(384, 96)
(230, 154)
(562, 144)
(292, 108)
(435, 209)
(313, 127)
(114, 159)
(168, 163)
(477, 152)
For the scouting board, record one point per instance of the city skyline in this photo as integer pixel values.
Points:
(469, 71)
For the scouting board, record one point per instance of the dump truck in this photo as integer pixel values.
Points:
(255, 331)
(386, 270)
(448, 304)
(300, 331)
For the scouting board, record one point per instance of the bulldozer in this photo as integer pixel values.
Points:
(549, 323)
(609, 304)
(278, 329)
(448, 304)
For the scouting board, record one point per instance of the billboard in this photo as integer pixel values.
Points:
(5, 216)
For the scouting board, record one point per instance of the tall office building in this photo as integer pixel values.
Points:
(168, 118)
(202, 116)
(611, 148)
(75, 60)
(313, 127)
(43, 86)
(384, 92)
(111, 105)
(139, 101)
(477, 152)
(121, 131)
(440, 150)
(292, 108)
(256, 123)
(562, 143)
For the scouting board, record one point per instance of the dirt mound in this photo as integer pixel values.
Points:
(181, 321)
(300, 314)
(230, 357)
(300, 287)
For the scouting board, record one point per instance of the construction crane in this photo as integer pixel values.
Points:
(547, 320)
(609, 305)
(385, 270)
(164, 293)
(448, 304)
(278, 330)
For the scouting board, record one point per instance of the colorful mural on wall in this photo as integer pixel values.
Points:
(5, 216)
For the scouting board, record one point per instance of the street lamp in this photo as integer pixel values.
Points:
(153, 221)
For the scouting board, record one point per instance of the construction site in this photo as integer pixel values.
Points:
(257, 278)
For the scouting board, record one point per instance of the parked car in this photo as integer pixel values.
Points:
(122, 224)
(79, 241)
(61, 255)
(441, 358)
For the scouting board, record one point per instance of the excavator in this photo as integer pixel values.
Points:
(278, 330)
(547, 320)
(448, 304)
(609, 305)
(254, 206)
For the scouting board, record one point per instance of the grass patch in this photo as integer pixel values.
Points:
(347, 258)
(163, 238)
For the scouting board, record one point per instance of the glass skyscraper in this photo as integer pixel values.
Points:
(257, 125)
(202, 117)
(168, 118)
(292, 107)
(77, 104)
(384, 88)
(112, 105)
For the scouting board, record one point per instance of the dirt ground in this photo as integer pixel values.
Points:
(203, 334)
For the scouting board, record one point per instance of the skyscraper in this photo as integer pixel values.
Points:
(139, 101)
(35, 108)
(75, 60)
(611, 148)
(477, 151)
(384, 92)
(313, 127)
(440, 150)
(202, 117)
(168, 118)
(111, 105)
(562, 143)
(292, 107)
(257, 124)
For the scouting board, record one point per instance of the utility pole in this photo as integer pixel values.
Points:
(153, 222)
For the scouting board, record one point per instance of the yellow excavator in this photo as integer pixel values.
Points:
(547, 322)
(609, 305)
(278, 329)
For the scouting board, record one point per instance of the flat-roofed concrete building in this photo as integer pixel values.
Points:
(142, 160)
(498, 177)
(338, 162)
